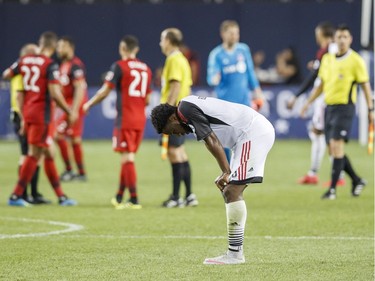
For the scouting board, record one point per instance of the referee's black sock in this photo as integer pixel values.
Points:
(349, 170)
(187, 177)
(177, 174)
(337, 167)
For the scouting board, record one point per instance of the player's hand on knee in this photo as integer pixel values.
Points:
(222, 180)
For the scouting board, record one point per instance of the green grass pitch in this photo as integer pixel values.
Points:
(291, 233)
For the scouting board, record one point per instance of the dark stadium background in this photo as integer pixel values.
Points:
(98, 27)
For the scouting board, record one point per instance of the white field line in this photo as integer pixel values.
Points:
(70, 227)
(108, 236)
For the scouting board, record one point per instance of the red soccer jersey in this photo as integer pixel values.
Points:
(37, 72)
(71, 71)
(320, 53)
(132, 80)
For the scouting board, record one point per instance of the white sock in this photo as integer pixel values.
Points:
(322, 150)
(318, 148)
(236, 220)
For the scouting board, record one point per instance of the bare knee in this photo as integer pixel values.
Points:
(233, 193)
(127, 157)
(177, 154)
(337, 148)
(35, 151)
(76, 140)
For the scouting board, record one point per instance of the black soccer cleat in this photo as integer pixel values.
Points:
(67, 176)
(39, 199)
(330, 194)
(357, 187)
(82, 178)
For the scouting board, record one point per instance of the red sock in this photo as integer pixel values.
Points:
(78, 156)
(51, 172)
(131, 178)
(64, 153)
(122, 184)
(27, 171)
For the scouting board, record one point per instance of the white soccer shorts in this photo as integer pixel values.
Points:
(249, 156)
(318, 115)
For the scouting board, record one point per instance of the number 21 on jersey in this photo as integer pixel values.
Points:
(139, 78)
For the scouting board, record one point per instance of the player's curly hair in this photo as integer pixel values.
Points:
(160, 115)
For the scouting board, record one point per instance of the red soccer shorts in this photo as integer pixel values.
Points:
(74, 130)
(126, 140)
(39, 134)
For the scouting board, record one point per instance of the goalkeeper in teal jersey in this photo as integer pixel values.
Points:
(231, 70)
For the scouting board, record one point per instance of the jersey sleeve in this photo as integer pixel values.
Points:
(113, 76)
(53, 73)
(213, 67)
(361, 73)
(77, 72)
(307, 83)
(14, 69)
(253, 81)
(193, 115)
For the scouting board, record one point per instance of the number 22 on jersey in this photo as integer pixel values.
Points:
(30, 77)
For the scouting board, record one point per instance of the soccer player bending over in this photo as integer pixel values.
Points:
(220, 124)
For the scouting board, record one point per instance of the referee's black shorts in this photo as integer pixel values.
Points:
(338, 121)
(17, 125)
(174, 141)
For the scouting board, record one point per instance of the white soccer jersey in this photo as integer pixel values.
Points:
(231, 122)
(249, 134)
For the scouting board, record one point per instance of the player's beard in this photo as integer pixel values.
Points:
(62, 57)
